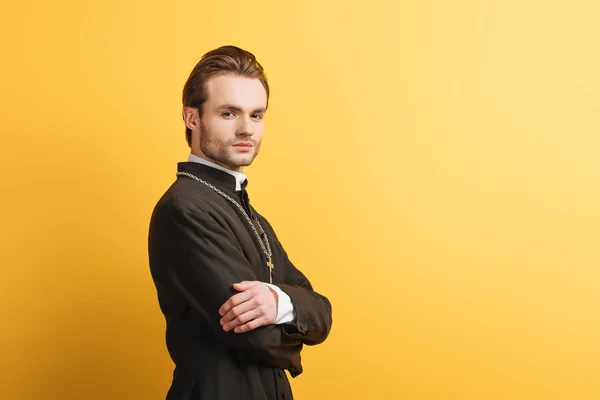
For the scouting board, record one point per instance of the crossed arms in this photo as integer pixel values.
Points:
(205, 262)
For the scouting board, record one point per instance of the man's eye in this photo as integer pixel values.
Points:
(227, 114)
(257, 116)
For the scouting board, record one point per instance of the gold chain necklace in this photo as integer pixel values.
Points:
(266, 249)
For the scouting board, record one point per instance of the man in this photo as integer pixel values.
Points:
(237, 310)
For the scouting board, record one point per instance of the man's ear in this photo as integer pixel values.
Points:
(191, 117)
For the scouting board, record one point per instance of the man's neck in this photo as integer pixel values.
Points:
(239, 176)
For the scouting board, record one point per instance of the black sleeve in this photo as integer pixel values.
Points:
(313, 310)
(204, 261)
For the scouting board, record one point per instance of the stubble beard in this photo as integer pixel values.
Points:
(219, 152)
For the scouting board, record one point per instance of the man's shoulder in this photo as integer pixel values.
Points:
(184, 196)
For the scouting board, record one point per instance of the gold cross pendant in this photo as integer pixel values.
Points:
(271, 266)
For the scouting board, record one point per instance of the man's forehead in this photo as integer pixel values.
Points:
(236, 90)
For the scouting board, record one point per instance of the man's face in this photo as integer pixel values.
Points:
(231, 126)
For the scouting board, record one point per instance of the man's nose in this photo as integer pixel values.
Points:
(246, 127)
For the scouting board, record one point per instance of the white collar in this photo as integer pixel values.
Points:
(239, 177)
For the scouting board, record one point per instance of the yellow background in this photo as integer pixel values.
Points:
(432, 166)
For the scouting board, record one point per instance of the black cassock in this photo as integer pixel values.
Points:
(200, 244)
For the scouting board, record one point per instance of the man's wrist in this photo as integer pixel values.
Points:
(285, 307)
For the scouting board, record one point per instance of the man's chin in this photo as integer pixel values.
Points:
(243, 161)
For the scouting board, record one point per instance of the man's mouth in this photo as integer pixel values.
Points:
(243, 144)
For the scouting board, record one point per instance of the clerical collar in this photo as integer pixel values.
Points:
(239, 177)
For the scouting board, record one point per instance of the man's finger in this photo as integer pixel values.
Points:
(234, 301)
(237, 311)
(242, 319)
(244, 285)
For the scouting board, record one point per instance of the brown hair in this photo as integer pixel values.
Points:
(224, 60)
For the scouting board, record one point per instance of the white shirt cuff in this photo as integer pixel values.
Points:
(285, 308)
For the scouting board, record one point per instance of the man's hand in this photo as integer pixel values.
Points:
(254, 306)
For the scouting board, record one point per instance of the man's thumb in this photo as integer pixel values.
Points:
(244, 285)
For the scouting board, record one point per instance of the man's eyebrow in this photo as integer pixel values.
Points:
(229, 107)
(232, 107)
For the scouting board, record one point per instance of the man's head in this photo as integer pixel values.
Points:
(224, 102)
